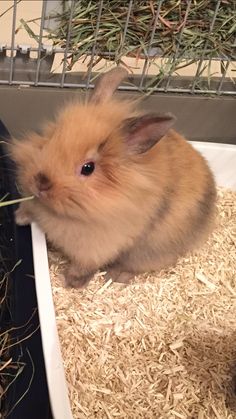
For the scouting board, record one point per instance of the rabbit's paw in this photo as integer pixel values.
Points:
(73, 279)
(22, 216)
(118, 276)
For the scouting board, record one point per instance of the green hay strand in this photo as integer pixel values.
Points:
(180, 45)
(15, 201)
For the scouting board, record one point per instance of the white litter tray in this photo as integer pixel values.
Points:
(221, 158)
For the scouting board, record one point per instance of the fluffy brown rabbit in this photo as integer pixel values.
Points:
(115, 189)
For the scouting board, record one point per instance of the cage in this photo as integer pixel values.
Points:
(181, 58)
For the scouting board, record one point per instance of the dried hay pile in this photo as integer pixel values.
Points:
(170, 35)
(182, 28)
(163, 347)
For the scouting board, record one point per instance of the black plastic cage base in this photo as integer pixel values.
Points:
(27, 396)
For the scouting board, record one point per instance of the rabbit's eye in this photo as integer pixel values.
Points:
(88, 168)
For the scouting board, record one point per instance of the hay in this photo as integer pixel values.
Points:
(4, 203)
(9, 369)
(184, 35)
(163, 347)
(181, 28)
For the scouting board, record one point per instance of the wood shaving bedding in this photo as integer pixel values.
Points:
(162, 347)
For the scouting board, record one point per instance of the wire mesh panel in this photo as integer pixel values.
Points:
(185, 47)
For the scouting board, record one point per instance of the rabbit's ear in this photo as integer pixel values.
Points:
(107, 84)
(143, 132)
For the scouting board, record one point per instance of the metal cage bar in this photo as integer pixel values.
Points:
(150, 43)
(223, 76)
(60, 50)
(95, 43)
(199, 67)
(122, 88)
(13, 41)
(226, 67)
(44, 6)
(189, 2)
(126, 26)
(67, 43)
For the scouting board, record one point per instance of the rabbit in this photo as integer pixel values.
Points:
(114, 188)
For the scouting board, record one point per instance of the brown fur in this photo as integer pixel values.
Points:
(135, 213)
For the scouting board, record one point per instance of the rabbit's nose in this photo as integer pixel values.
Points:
(43, 183)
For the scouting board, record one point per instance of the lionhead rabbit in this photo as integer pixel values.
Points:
(115, 188)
